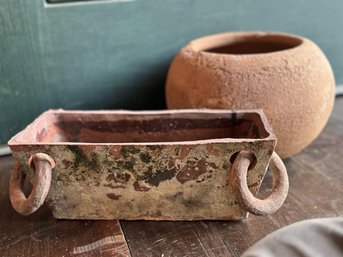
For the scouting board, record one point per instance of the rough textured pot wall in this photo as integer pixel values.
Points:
(295, 87)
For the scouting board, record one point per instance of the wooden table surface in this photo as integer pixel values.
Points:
(316, 190)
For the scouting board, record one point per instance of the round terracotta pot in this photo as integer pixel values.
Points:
(287, 76)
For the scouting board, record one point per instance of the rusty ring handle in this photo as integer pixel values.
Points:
(43, 165)
(250, 203)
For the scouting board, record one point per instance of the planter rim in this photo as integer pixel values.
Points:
(204, 44)
(20, 138)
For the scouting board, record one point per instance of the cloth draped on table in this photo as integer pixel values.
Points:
(309, 238)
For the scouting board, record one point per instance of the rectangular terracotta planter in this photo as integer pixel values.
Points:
(154, 165)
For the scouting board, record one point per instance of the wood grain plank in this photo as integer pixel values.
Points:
(41, 235)
(149, 238)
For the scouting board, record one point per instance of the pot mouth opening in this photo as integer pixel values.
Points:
(246, 44)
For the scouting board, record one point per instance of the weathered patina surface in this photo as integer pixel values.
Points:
(172, 180)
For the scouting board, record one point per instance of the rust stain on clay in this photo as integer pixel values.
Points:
(139, 187)
(115, 152)
(191, 171)
(116, 178)
(113, 196)
(155, 178)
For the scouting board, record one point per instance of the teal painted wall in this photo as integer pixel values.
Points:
(115, 54)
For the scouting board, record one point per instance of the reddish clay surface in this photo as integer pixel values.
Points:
(287, 76)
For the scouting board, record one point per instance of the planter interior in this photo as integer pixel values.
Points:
(112, 127)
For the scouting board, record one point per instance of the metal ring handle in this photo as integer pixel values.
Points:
(252, 204)
(43, 165)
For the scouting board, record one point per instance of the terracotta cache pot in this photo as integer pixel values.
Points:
(287, 76)
(152, 165)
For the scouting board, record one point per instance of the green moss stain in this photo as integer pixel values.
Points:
(154, 147)
(82, 159)
(128, 150)
(176, 197)
(192, 203)
(225, 166)
(177, 151)
(145, 157)
(93, 162)
(128, 165)
(155, 178)
(79, 155)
